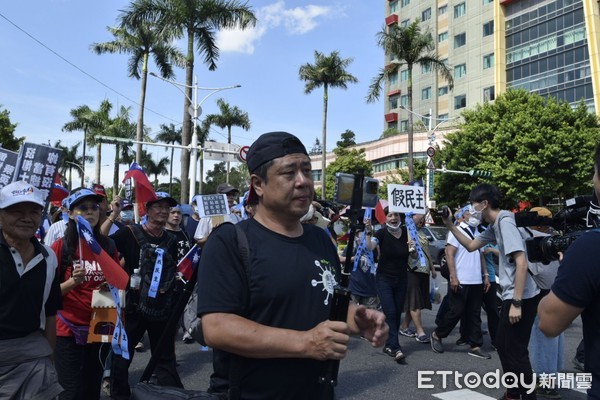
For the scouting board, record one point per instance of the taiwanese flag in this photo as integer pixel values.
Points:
(58, 191)
(113, 273)
(144, 192)
(379, 213)
(189, 263)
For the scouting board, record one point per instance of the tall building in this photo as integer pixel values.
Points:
(548, 47)
(541, 46)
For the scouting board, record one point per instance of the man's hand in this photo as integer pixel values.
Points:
(447, 220)
(328, 341)
(514, 314)
(454, 283)
(486, 284)
(372, 325)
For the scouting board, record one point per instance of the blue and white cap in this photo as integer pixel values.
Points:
(20, 192)
(80, 195)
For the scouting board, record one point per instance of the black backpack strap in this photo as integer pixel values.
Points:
(139, 236)
(466, 230)
(237, 362)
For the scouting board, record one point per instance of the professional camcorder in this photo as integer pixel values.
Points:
(570, 223)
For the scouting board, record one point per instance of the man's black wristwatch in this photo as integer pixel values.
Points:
(517, 302)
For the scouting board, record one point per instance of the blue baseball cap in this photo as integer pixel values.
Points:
(79, 195)
(162, 196)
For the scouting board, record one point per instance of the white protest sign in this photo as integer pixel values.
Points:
(212, 204)
(405, 198)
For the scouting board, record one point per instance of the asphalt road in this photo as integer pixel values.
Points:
(368, 373)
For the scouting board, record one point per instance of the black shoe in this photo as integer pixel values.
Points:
(436, 344)
(480, 354)
(547, 393)
(399, 357)
(461, 341)
(389, 351)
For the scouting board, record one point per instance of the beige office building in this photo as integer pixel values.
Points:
(547, 47)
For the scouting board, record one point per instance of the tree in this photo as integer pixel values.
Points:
(348, 161)
(141, 40)
(347, 139)
(155, 168)
(229, 116)
(83, 120)
(7, 129)
(69, 158)
(120, 127)
(536, 148)
(327, 71)
(197, 21)
(239, 178)
(407, 47)
(316, 148)
(170, 135)
(100, 126)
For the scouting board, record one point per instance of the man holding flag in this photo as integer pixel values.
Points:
(153, 250)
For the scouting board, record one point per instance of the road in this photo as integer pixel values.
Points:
(368, 374)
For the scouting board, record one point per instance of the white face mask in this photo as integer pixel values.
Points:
(393, 228)
(475, 214)
(474, 222)
(127, 215)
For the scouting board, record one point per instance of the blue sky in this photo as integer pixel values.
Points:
(39, 88)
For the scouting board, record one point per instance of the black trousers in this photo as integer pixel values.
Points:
(465, 302)
(166, 371)
(512, 341)
(80, 368)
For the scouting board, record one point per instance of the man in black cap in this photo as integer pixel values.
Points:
(152, 250)
(207, 224)
(273, 317)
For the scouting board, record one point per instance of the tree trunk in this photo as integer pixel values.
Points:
(116, 170)
(171, 170)
(139, 132)
(186, 130)
(83, 162)
(411, 172)
(324, 152)
(98, 161)
(228, 143)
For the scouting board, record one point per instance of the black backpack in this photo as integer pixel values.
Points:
(160, 307)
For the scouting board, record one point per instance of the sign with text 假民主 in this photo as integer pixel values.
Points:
(405, 198)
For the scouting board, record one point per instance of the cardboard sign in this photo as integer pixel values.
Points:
(8, 163)
(405, 198)
(212, 204)
(38, 164)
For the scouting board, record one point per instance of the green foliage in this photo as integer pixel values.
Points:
(348, 161)
(389, 132)
(536, 149)
(347, 139)
(239, 178)
(7, 129)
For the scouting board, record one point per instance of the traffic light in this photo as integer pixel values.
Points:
(480, 173)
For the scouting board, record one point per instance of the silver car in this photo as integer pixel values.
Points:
(437, 236)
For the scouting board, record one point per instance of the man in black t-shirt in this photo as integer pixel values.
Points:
(268, 325)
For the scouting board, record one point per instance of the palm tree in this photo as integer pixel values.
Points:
(141, 40)
(120, 127)
(202, 131)
(82, 121)
(101, 126)
(69, 157)
(154, 168)
(197, 21)
(407, 47)
(327, 71)
(170, 135)
(229, 116)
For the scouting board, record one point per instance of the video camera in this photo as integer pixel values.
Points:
(344, 186)
(569, 223)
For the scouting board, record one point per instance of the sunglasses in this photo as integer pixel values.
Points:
(84, 208)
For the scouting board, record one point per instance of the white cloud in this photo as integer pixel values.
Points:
(296, 21)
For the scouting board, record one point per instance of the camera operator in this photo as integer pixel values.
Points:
(519, 291)
(576, 291)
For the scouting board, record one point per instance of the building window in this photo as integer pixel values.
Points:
(442, 91)
(426, 14)
(460, 10)
(443, 37)
(393, 7)
(443, 9)
(460, 40)
(405, 23)
(487, 2)
(316, 175)
(393, 101)
(403, 75)
(460, 71)
(460, 101)
(488, 29)
(391, 125)
(488, 61)
(393, 79)
(443, 117)
(489, 93)
(425, 119)
(426, 93)
(425, 69)
(404, 3)
(404, 100)
(404, 125)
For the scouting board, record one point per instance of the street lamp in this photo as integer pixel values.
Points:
(79, 167)
(430, 151)
(195, 111)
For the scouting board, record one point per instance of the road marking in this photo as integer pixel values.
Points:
(462, 394)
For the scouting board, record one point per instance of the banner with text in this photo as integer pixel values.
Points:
(8, 163)
(38, 165)
(405, 198)
(212, 204)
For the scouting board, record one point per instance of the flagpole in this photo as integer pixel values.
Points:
(79, 243)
